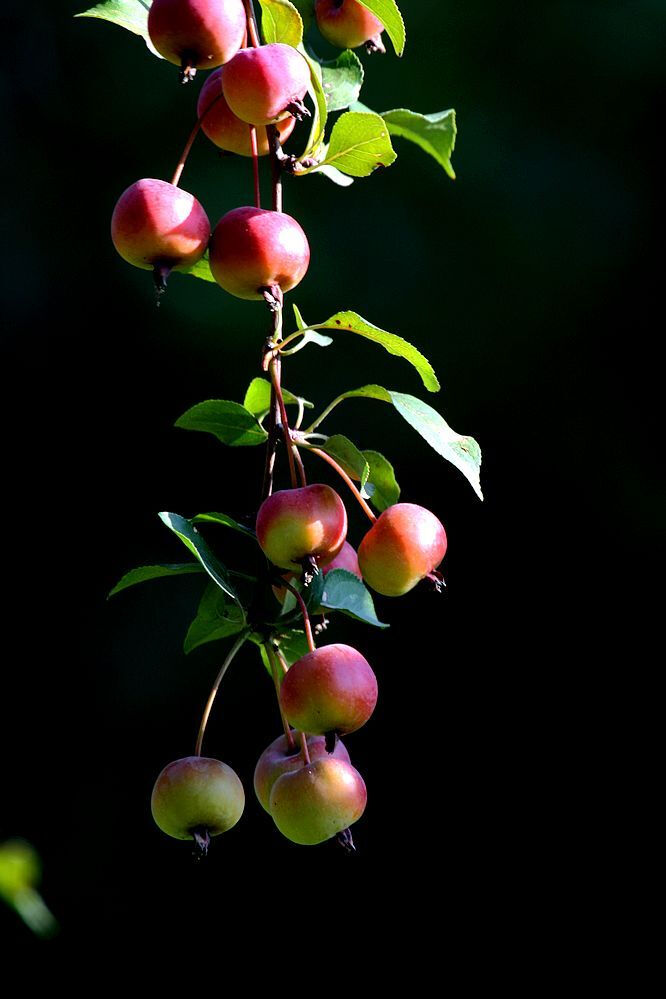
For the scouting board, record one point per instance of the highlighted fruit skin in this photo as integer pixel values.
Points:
(157, 224)
(345, 559)
(332, 689)
(278, 759)
(405, 543)
(197, 793)
(225, 129)
(346, 23)
(294, 524)
(253, 248)
(260, 84)
(199, 33)
(318, 801)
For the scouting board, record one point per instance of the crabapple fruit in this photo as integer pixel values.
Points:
(345, 559)
(264, 85)
(298, 524)
(332, 689)
(197, 34)
(405, 543)
(253, 250)
(317, 801)
(225, 129)
(197, 797)
(158, 226)
(279, 758)
(347, 23)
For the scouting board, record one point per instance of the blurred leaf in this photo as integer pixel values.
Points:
(146, 572)
(345, 592)
(389, 14)
(129, 14)
(225, 520)
(342, 79)
(348, 455)
(20, 873)
(258, 398)
(463, 452)
(359, 144)
(385, 491)
(230, 422)
(434, 133)
(199, 270)
(215, 619)
(281, 22)
(192, 540)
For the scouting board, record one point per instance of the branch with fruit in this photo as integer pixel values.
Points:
(265, 81)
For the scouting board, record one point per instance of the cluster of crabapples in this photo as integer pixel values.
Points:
(305, 779)
(160, 227)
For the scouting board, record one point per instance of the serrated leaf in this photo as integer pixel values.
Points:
(200, 270)
(281, 22)
(389, 14)
(258, 398)
(434, 133)
(215, 619)
(345, 592)
(144, 573)
(385, 489)
(342, 79)
(359, 144)
(129, 14)
(192, 540)
(463, 452)
(306, 9)
(225, 520)
(348, 455)
(351, 322)
(230, 422)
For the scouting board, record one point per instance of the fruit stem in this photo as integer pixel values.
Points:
(341, 472)
(304, 612)
(301, 466)
(175, 180)
(251, 23)
(271, 444)
(275, 150)
(304, 749)
(255, 165)
(276, 680)
(216, 686)
(275, 378)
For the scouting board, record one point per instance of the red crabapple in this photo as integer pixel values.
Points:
(405, 543)
(294, 525)
(345, 559)
(264, 85)
(278, 759)
(317, 801)
(347, 23)
(197, 797)
(226, 130)
(197, 34)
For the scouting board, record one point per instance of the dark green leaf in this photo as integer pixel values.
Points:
(342, 80)
(281, 22)
(359, 143)
(215, 619)
(230, 422)
(388, 13)
(385, 489)
(129, 14)
(258, 398)
(147, 572)
(344, 591)
(463, 452)
(434, 133)
(192, 540)
(348, 455)
(225, 520)
(293, 646)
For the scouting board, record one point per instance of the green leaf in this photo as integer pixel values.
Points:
(388, 13)
(293, 646)
(308, 336)
(230, 422)
(385, 490)
(192, 540)
(129, 14)
(215, 619)
(147, 572)
(463, 452)
(225, 520)
(200, 270)
(320, 115)
(258, 398)
(281, 22)
(300, 322)
(351, 322)
(359, 144)
(345, 592)
(434, 133)
(348, 455)
(306, 9)
(341, 179)
(342, 79)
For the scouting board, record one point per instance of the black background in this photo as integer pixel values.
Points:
(529, 282)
